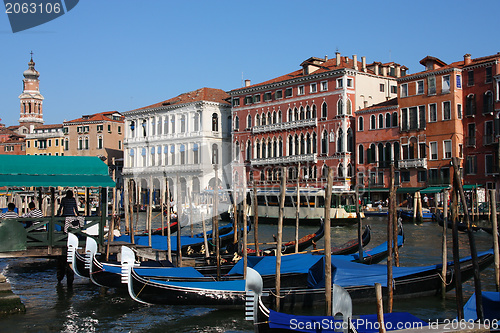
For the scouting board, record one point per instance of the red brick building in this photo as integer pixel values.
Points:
(304, 120)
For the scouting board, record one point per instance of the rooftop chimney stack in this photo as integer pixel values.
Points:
(247, 83)
(467, 59)
(363, 63)
(337, 58)
(355, 62)
(326, 58)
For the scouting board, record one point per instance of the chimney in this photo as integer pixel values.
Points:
(376, 69)
(355, 62)
(247, 83)
(384, 71)
(398, 71)
(326, 58)
(467, 60)
(337, 58)
(363, 63)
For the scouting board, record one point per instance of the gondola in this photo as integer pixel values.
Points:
(352, 246)
(289, 247)
(173, 229)
(269, 321)
(461, 226)
(302, 289)
(407, 215)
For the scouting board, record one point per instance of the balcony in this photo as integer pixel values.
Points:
(470, 141)
(415, 163)
(285, 126)
(284, 160)
(439, 181)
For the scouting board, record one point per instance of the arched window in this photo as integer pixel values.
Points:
(302, 113)
(324, 171)
(215, 153)
(470, 105)
(340, 107)
(172, 120)
(263, 119)
(340, 170)
(308, 143)
(275, 148)
(182, 152)
(269, 118)
(349, 170)
(257, 149)
(394, 119)
(314, 111)
(280, 119)
(324, 110)
(373, 122)
(264, 149)
(371, 153)
(324, 143)
(340, 140)
(380, 121)
(280, 147)
(237, 151)
(275, 119)
(349, 107)
(290, 145)
(360, 124)
(166, 125)
(314, 143)
(297, 145)
(302, 144)
(290, 115)
(196, 154)
(257, 120)
(236, 123)
(196, 122)
(350, 140)
(248, 150)
(183, 124)
(308, 112)
(387, 120)
(269, 149)
(381, 152)
(361, 154)
(295, 114)
(249, 121)
(488, 106)
(215, 123)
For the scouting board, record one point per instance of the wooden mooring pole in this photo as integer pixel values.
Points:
(245, 231)
(494, 222)
(280, 236)
(380, 307)
(328, 244)
(360, 226)
(256, 221)
(444, 247)
(472, 244)
(215, 220)
(456, 255)
(390, 240)
(297, 212)
(179, 211)
(169, 234)
(392, 210)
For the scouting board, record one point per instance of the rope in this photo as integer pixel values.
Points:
(444, 279)
(140, 291)
(284, 295)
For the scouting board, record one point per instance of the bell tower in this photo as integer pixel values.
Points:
(31, 99)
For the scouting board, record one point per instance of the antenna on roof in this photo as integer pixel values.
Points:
(390, 53)
(242, 81)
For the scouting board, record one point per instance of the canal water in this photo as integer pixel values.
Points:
(87, 308)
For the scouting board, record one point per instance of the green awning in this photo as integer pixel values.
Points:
(469, 187)
(377, 189)
(47, 171)
(434, 189)
(408, 189)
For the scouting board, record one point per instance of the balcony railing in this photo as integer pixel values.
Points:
(470, 141)
(439, 181)
(415, 163)
(284, 160)
(285, 126)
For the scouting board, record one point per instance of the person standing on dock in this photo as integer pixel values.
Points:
(68, 205)
(10, 213)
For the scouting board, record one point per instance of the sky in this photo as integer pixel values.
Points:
(107, 55)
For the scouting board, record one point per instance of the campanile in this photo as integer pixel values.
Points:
(31, 99)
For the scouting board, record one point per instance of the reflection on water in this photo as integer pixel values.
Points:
(87, 308)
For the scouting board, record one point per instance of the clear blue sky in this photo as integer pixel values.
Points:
(124, 54)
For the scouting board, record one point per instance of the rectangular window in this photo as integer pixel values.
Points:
(434, 150)
(460, 150)
(313, 88)
(447, 110)
(256, 99)
(488, 75)
(394, 89)
(459, 81)
(99, 128)
(471, 165)
(300, 90)
(422, 150)
(404, 90)
(279, 94)
(236, 101)
(422, 176)
(489, 165)
(349, 83)
(420, 87)
(288, 92)
(405, 176)
(267, 96)
(248, 100)
(459, 111)
(340, 83)
(324, 85)
(447, 148)
(109, 128)
(431, 82)
(470, 78)
(432, 113)
(446, 84)
(413, 118)
(421, 117)
(382, 87)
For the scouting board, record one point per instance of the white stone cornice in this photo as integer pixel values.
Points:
(426, 74)
(147, 112)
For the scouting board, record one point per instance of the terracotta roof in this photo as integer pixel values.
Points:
(386, 104)
(327, 66)
(439, 61)
(48, 126)
(484, 59)
(96, 117)
(203, 94)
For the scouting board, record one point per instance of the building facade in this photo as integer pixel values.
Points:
(45, 140)
(180, 140)
(304, 120)
(11, 143)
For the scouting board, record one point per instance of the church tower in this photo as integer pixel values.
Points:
(31, 99)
